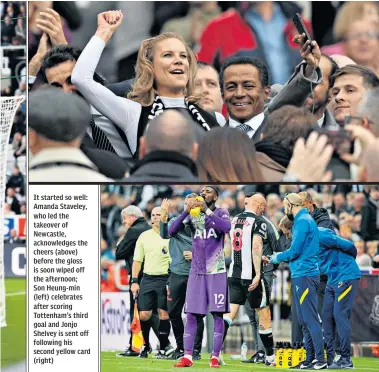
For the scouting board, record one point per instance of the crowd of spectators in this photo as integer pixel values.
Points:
(316, 97)
(13, 34)
(13, 23)
(354, 211)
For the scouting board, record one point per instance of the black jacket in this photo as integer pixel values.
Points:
(125, 249)
(121, 88)
(369, 231)
(321, 217)
(164, 166)
(108, 163)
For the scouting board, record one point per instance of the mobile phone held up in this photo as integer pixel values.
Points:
(341, 141)
(301, 29)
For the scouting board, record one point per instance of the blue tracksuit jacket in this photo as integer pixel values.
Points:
(337, 257)
(303, 255)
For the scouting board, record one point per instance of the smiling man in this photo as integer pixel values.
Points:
(246, 90)
(349, 86)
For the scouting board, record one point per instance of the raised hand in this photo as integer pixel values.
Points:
(310, 159)
(311, 56)
(108, 23)
(49, 21)
(190, 203)
(35, 63)
(164, 209)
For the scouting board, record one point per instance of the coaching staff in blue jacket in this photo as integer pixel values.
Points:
(337, 261)
(303, 258)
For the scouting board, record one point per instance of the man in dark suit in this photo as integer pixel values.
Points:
(132, 219)
(246, 90)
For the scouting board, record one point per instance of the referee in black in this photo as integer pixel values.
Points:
(180, 248)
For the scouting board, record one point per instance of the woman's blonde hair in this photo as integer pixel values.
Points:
(144, 88)
(349, 12)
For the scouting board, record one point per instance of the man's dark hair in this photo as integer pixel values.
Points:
(287, 124)
(60, 54)
(57, 55)
(334, 68)
(261, 67)
(370, 80)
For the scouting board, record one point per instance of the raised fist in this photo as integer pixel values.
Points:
(108, 23)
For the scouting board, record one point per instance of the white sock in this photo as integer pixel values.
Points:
(188, 357)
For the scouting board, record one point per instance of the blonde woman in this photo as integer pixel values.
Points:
(165, 72)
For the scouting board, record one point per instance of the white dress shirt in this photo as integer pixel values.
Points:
(320, 121)
(254, 123)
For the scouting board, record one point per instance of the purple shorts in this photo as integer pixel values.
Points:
(207, 293)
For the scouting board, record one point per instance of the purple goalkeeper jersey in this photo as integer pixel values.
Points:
(208, 235)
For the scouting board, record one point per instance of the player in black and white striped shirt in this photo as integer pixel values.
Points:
(248, 235)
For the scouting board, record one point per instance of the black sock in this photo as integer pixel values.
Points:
(154, 322)
(268, 342)
(199, 334)
(145, 326)
(226, 327)
(178, 329)
(164, 332)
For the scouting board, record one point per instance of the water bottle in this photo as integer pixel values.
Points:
(279, 355)
(244, 351)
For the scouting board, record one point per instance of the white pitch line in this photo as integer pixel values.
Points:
(15, 294)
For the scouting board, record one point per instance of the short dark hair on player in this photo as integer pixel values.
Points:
(60, 54)
(261, 67)
(370, 80)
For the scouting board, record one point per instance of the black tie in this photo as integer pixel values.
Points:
(99, 137)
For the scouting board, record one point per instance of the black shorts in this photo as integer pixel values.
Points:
(239, 293)
(153, 292)
(176, 294)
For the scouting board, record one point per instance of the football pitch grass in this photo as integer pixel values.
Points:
(13, 336)
(111, 363)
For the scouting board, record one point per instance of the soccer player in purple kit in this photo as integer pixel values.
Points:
(207, 288)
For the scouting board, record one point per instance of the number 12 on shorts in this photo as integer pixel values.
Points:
(219, 299)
